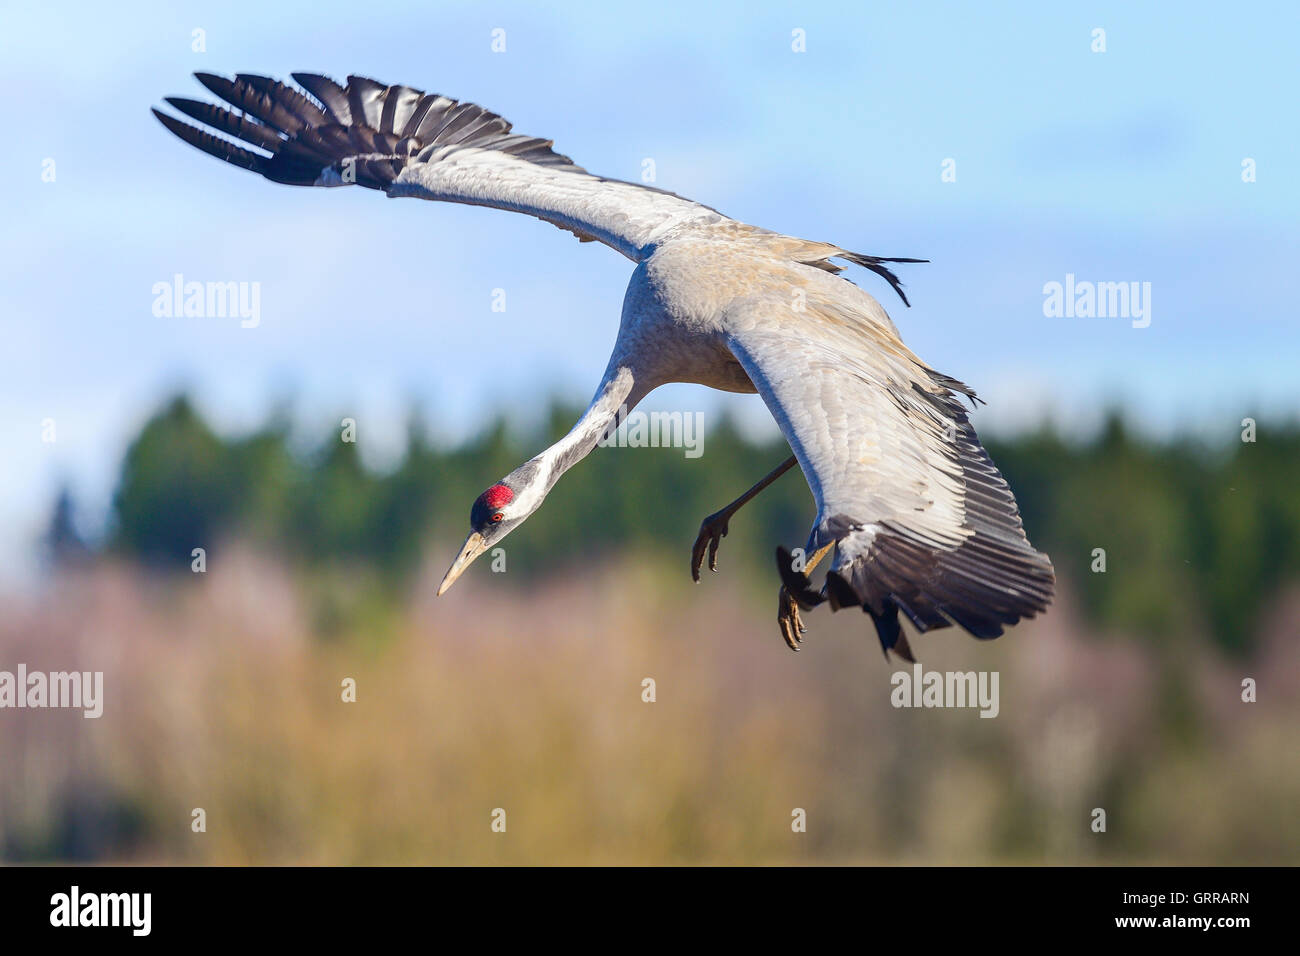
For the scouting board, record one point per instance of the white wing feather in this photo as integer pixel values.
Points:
(624, 216)
(922, 520)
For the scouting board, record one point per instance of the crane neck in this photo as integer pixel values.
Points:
(618, 392)
(606, 410)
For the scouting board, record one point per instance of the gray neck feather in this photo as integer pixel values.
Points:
(604, 413)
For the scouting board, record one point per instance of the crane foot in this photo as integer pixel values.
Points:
(712, 530)
(787, 617)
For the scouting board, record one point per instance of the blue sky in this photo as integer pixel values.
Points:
(1115, 166)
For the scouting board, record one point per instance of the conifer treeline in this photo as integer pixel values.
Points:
(1194, 539)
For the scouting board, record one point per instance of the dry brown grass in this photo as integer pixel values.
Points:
(219, 695)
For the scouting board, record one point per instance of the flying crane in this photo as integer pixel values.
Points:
(921, 522)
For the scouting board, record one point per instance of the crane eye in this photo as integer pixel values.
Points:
(497, 517)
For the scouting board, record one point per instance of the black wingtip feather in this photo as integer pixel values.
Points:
(332, 97)
(227, 122)
(367, 133)
(213, 145)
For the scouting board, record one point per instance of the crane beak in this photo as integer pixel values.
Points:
(474, 546)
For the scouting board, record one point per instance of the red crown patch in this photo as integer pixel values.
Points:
(498, 496)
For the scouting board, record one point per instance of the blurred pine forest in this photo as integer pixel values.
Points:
(1196, 538)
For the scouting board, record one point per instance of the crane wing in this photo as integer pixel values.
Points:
(410, 143)
(923, 521)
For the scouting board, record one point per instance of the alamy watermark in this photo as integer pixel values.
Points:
(208, 300)
(1098, 300)
(53, 689)
(658, 430)
(916, 688)
(74, 908)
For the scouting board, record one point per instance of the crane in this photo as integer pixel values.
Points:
(920, 520)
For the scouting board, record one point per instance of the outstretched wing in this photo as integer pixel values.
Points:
(923, 521)
(410, 143)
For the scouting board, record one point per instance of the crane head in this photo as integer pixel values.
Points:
(495, 513)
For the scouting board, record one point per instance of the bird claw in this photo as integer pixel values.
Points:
(787, 616)
(712, 530)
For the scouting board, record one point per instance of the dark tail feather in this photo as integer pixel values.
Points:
(890, 632)
(874, 264)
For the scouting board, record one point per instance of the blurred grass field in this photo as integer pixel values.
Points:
(221, 694)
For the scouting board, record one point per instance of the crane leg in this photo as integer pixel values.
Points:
(714, 528)
(787, 608)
